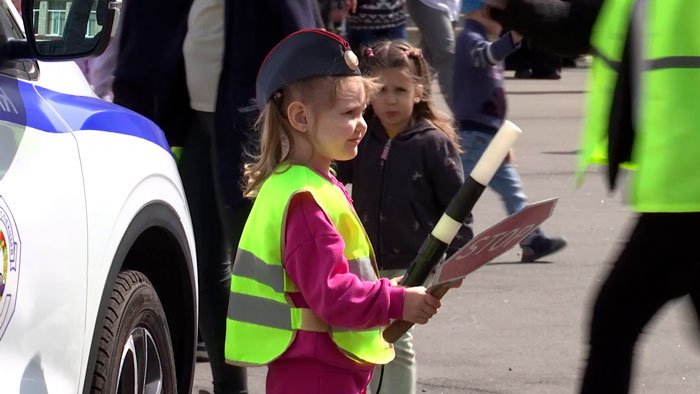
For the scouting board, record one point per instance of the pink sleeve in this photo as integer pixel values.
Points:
(313, 258)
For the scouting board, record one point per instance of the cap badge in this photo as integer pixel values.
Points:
(351, 60)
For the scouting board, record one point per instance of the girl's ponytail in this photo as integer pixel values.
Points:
(273, 147)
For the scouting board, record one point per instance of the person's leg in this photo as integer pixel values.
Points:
(544, 64)
(519, 61)
(656, 265)
(399, 376)
(359, 39)
(507, 183)
(213, 254)
(437, 41)
(394, 33)
(473, 145)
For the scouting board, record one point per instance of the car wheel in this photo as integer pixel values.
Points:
(135, 354)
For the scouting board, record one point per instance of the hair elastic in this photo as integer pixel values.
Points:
(413, 52)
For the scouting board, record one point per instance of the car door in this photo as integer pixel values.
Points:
(43, 232)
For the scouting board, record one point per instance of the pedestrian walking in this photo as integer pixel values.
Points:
(480, 109)
(305, 297)
(405, 174)
(434, 20)
(643, 113)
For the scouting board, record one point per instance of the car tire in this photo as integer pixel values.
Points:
(135, 354)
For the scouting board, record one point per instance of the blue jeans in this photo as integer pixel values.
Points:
(506, 181)
(359, 39)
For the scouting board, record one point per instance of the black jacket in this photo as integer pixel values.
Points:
(252, 29)
(401, 187)
(563, 27)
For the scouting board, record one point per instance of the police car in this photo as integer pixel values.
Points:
(97, 268)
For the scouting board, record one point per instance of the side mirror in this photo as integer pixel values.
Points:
(68, 29)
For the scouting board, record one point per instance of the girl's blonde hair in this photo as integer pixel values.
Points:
(275, 131)
(402, 55)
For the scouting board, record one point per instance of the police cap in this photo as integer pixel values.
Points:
(304, 54)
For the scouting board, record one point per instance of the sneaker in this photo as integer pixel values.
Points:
(202, 354)
(541, 246)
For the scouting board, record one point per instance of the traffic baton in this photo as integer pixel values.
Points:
(458, 209)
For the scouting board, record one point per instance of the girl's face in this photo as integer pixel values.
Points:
(336, 132)
(394, 103)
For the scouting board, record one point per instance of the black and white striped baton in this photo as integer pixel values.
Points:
(460, 206)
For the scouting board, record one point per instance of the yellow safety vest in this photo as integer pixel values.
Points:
(262, 321)
(666, 79)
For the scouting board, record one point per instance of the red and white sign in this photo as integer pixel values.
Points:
(494, 241)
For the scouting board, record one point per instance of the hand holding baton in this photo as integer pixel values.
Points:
(457, 210)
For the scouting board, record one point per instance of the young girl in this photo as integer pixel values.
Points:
(404, 176)
(305, 298)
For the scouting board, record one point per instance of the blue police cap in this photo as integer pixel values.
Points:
(304, 54)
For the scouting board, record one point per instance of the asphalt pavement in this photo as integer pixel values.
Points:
(520, 328)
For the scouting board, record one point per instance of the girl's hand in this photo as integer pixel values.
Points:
(395, 281)
(418, 306)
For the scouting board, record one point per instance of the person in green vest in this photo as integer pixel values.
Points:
(305, 296)
(643, 114)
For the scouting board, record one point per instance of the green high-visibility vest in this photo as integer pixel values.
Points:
(262, 321)
(666, 98)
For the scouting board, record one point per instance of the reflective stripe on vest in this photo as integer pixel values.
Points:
(666, 99)
(261, 319)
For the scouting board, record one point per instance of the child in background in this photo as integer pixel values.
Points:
(480, 109)
(305, 297)
(405, 174)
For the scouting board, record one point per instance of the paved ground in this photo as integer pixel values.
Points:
(520, 328)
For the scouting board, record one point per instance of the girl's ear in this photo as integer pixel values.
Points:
(418, 94)
(298, 116)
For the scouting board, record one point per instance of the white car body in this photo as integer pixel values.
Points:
(67, 200)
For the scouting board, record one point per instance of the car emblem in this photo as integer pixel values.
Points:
(9, 265)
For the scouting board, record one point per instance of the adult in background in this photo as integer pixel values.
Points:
(150, 72)
(203, 53)
(643, 109)
(225, 46)
(434, 20)
(370, 21)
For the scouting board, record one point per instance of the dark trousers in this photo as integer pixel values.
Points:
(658, 264)
(137, 97)
(217, 229)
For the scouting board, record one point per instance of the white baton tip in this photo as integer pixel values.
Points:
(495, 153)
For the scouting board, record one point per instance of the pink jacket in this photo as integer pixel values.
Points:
(313, 258)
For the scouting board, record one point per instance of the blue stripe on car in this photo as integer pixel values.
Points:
(21, 103)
